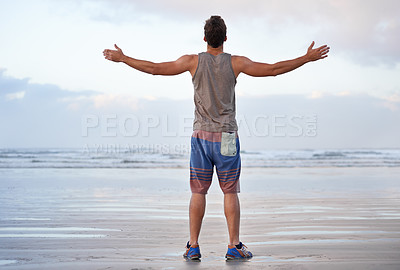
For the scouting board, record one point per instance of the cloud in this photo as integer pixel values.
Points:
(15, 95)
(34, 115)
(394, 98)
(316, 94)
(41, 94)
(392, 102)
(44, 115)
(341, 121)
(48, 116)
(113, 100)
(368, 32)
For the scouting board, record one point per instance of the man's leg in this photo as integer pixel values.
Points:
(236, 249)
(196, 212)
(201, 172)
(232, 214)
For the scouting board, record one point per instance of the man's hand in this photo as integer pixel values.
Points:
(114, 55)
(317, 53)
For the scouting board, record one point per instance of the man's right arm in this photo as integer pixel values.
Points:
(182, 64)
(243, 64)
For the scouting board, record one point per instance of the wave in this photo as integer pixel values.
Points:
(78, 158)
(329, 155)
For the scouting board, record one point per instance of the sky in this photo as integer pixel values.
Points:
(57, 90)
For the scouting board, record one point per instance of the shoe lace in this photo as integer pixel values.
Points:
(245, 251)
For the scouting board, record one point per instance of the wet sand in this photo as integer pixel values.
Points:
(298, 218)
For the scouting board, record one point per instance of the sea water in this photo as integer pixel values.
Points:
(156, 158)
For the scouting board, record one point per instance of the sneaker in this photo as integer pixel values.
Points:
(192, 252)
(238, 252)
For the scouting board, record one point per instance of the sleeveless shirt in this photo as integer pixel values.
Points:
(214, 93)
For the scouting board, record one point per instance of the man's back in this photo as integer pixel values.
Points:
(214, 93)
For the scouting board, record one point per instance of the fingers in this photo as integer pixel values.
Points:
(113, 55)
(324, 47)
(311, 46)
(107, 54)
(324, 50)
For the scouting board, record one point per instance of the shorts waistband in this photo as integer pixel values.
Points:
(210, 136)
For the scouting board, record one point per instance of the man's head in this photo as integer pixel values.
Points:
(215, 31)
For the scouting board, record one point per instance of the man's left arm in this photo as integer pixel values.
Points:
(256, 69)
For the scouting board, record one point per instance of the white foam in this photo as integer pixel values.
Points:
(320, 241)
(50, 235)
(26, 219)
(6, 262)
(71, 229)
(324, 232)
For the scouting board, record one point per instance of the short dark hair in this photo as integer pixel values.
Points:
(215, 31)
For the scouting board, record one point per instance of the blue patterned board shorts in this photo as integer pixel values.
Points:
(219, 149)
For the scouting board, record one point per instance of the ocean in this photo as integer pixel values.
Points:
(157, 158)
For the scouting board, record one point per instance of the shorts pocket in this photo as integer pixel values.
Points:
(228, 144)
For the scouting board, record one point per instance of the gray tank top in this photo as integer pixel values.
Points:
(214, 94)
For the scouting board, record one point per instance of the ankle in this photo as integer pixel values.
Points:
(193, 243)
(234, 243)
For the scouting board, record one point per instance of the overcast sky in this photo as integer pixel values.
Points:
(52, 68)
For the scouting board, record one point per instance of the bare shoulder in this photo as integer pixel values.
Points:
(188, 57)
(239, 58)
(189, 61)
(239, 63)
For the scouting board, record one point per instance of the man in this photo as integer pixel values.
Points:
(215, 140)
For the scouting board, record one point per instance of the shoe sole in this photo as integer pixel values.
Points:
(237, 258)
(194, 258)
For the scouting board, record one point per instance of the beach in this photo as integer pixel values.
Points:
(132, 218)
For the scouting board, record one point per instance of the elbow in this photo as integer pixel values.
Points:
(274, 73)
(277, 71)
(153, 71)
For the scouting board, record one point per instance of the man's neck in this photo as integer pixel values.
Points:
(215, 51)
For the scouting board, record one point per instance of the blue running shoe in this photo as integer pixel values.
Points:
(192, 252)
(238, 252)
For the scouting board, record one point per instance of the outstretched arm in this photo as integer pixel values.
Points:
(184, 63)
(245, 65)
